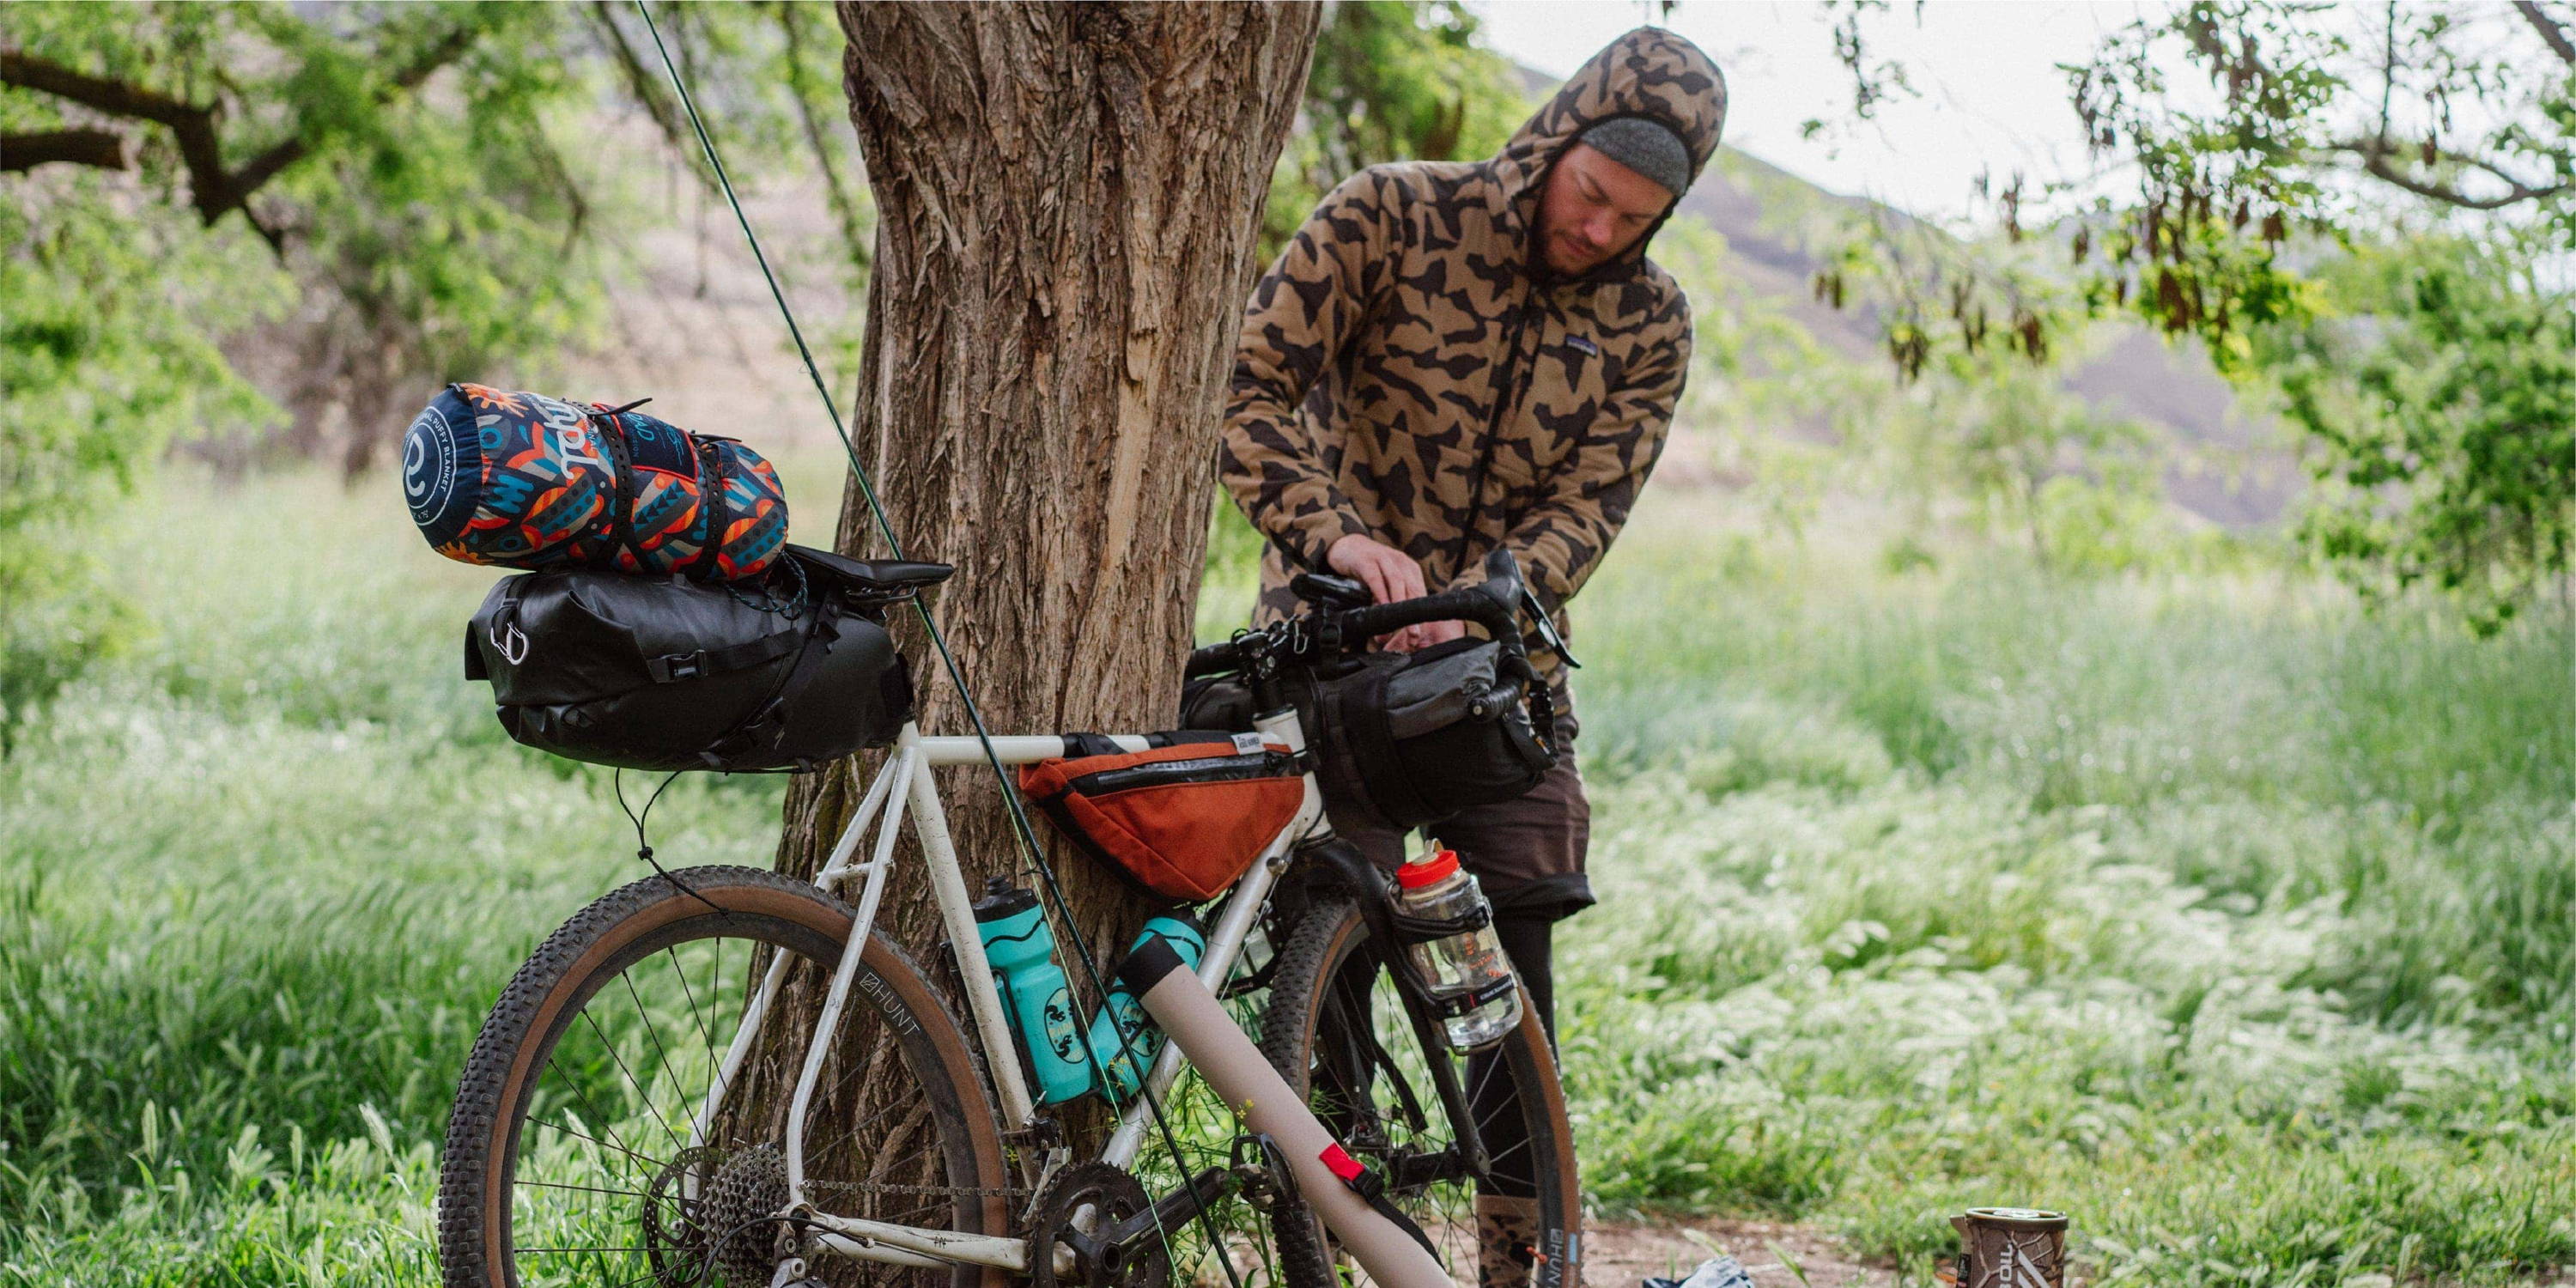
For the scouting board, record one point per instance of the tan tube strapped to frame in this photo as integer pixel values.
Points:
(1393, 1256)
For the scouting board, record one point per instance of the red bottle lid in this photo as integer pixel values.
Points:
(1424, 871)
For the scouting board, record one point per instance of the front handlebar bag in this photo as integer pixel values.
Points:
(1403, 740)
(1183, 821)
(668, 673)
(520, 480)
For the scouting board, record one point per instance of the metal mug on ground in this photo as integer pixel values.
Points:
(2003, 1247)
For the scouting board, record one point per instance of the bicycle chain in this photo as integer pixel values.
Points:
(896, 1187)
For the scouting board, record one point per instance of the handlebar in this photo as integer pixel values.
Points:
(1212, 659)
(1469, 604)
(1493, 603)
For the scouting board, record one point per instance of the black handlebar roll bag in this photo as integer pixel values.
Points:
(662, 672)
(1403, 739)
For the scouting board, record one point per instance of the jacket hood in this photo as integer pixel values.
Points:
(1650, 73)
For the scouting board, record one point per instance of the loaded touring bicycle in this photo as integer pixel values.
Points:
(726, 1075)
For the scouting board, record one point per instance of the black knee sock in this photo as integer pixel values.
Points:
(1527, 941)
(1490, 1093)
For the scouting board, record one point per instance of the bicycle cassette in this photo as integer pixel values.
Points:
(1083, 1202)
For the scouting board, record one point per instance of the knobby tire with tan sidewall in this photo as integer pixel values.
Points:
(916, 1063)
(1312, 999)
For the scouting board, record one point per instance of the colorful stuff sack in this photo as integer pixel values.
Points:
(525, 481)
(667, 673)
(1182, 820)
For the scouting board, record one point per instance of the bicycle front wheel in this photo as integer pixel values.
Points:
(580, 1150)
(1338, 1032)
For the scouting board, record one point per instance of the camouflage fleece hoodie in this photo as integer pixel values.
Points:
(1411, 370)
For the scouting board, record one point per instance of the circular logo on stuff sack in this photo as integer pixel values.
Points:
(429, 468)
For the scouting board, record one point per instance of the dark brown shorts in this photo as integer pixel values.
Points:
(1526, 853)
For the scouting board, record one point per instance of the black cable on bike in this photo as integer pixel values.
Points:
(643, 847)
(1023, 834)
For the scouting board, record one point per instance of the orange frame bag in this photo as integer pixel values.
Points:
(1183, 820)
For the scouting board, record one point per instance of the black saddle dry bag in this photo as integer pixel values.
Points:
(662, 672)
(1402, 739)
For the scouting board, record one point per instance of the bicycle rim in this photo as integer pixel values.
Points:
(576, 1152)
(1338, 1032)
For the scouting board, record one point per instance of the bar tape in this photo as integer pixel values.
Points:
(1361, 1181)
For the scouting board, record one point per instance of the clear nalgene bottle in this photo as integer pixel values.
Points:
(1469, 964)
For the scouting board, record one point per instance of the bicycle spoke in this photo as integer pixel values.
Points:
(587, 1189)
(606, 1123)
(862, 1125)
(654, 1032)
(654, 1163)
(640, 1090)
(672, 952)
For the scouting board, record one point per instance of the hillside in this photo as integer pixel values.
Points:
(696, 329)
(2237, 474)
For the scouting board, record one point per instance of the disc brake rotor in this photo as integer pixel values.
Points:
(675, 1235)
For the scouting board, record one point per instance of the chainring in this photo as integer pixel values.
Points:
(1084, 1200)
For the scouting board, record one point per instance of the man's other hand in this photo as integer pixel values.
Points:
(1391, 575)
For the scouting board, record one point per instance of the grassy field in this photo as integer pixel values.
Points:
(2237, 921)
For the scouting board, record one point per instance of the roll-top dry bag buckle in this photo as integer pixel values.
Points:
(672, 667)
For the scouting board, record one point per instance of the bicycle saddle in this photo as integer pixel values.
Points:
(876, 576)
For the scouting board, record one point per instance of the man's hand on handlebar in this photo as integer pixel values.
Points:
(1391, 575)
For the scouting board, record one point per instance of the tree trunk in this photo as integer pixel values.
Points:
(1067, 197)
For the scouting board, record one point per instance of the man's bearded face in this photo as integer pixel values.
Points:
(1594, 209)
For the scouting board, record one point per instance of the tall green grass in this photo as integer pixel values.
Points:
(259, 880)
(2230, 917)
(2235, 919)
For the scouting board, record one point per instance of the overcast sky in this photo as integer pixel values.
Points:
(1992, 96)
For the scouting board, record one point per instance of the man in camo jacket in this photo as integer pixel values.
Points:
(1455, 356)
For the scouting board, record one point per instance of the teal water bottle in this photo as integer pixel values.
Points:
(1021, 950)
(1123, 1037)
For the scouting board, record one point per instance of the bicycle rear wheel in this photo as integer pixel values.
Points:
(1338, 1032)
(573, 1152)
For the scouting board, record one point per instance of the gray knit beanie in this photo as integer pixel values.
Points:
(1644, 146)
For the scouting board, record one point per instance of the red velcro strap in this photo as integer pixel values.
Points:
(1341, 1164)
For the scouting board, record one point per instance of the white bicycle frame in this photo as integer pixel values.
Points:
(905, 783)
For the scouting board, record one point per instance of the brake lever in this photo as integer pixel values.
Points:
(1547, 627)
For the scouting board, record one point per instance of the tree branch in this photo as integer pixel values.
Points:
(212, 189)
(2376, 154)
(845, 207)
(2551, 33)
(640, 82)
(116, 98)
(97, 149)
(192, 126)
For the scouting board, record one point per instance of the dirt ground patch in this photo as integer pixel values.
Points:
(1617, 1256)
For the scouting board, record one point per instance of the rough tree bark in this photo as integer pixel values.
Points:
(1067, 197)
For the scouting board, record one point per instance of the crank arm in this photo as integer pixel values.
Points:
(1203, 1191)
